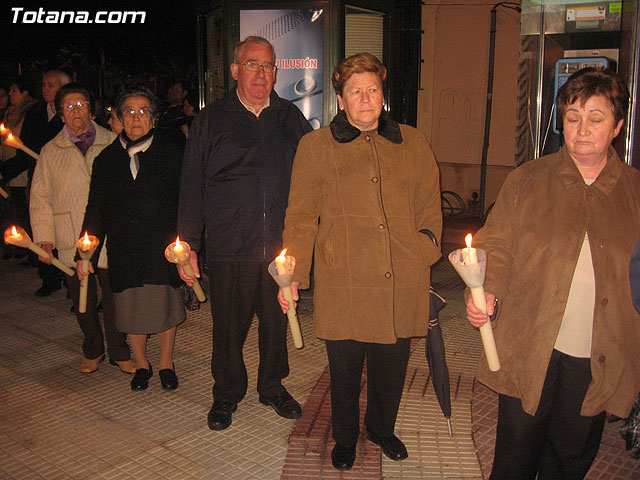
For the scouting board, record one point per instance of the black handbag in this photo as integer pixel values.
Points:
(630, 430)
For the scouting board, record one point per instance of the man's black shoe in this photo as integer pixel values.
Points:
(284, 405)
(46, 290)
(391, 446)
(219, 416)
(342, 458)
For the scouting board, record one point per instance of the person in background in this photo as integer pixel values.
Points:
(59, 193)
(558, 241)
(21, 102)
(133, 204)
(173, 120)
(4, 99)
(41, 124)
(235, 183)
(114, 122)
(364, 198)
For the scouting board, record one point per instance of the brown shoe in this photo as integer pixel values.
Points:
(126, 366)
(90, 366)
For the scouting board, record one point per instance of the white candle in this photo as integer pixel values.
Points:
(470, 258)
(469, 254)
(19, 237)
(292, 315)
(15, 142)
(178, 252)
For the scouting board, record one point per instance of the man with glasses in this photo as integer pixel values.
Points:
(235, 184)
(59, 194)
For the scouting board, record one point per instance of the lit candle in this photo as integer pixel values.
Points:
(178, 249)
(86, 247)
(3, 129)
(15, 142)
(284, 275)
(17, 236)
(469, 254)
(179, 252)
(472, 272)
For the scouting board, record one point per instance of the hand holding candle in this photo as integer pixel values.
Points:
(471, 265)
(281, 269)
(179, 252)
(17, 236)
(86, 246)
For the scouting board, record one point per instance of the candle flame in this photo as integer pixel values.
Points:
(14, 232)
(2, 128)
(178, 241)
(10, 137)
(281, 258)
(86, 238)
(467, 240)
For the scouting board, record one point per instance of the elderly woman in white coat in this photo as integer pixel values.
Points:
(59, 194)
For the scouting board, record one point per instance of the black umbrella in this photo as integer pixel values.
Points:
(434, 351)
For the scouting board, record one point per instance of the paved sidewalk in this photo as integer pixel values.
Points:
(56, 423)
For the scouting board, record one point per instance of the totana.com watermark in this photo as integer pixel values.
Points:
(20, 15)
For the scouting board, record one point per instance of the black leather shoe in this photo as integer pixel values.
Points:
(391, 446)
(219, 416)
(46, 290)
(168, 378)
(140, 380)
(342, 458)
(284, 405)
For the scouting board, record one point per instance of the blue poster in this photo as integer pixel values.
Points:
(297, 36)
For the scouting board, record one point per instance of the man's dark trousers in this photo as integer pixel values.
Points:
(238, 291)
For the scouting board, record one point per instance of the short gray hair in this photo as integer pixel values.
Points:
(63, 78)
(138, 91)
(239, 49)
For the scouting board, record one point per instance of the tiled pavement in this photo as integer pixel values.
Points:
(56, 423)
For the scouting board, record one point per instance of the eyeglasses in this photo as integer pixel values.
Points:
(251, 66)
(69, 107)
(131, 112)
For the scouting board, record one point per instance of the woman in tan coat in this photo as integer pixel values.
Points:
(559, 240)
(362, 190)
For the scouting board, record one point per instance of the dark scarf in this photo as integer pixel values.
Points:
(344, 132)
(128, 143)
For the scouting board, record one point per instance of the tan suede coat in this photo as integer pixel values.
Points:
(533, 238)
(356, 205)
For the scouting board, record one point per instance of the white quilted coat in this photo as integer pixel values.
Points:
(60, 191)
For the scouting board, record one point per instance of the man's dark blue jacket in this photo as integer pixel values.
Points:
(235, 178)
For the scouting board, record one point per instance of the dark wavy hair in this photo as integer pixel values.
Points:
(358, 63)
(65, 90)
(138, 91)
(590, 81)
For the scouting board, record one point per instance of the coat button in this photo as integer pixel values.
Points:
(604, 302)
(374, 179)
(381, 227)
(367, 138)
(387, 275)
(589, 192)
(602, 358)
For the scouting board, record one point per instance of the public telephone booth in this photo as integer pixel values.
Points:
(558, 38)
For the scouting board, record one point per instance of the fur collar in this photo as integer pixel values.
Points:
(344, 132)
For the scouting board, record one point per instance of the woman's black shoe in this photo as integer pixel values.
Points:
(342, 458)
(140, 380)
(168, 378)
